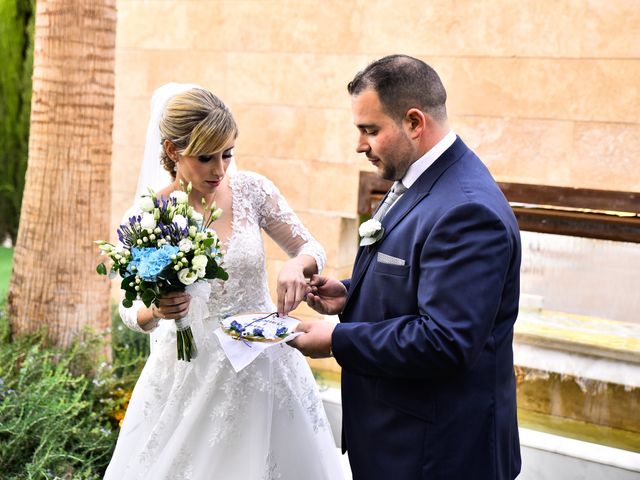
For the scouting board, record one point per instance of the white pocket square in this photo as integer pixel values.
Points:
(388, 259)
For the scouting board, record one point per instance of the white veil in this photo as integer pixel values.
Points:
(152, 173)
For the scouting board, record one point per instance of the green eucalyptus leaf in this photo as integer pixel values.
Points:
(148, 297)
(223, 275)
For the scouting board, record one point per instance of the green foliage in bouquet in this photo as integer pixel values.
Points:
(16, 51)
(60, 410)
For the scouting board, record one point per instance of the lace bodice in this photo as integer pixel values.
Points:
(257, 205)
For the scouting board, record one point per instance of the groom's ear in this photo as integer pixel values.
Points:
(415, 121)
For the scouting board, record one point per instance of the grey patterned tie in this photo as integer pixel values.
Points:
(396, 190)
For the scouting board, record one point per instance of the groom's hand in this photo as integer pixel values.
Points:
(316, 339)
(328, 295)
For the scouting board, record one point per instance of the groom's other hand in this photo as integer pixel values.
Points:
(316, 340)
(328, 295)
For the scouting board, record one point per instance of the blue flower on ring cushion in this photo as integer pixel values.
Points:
(151, 261)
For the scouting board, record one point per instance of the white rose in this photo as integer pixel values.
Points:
(186, 276)
(369, 228)
(185, 245)
(180, 196)
(148, 221)
(199, 262)
(197, 217)
(146, 204)
(180, 221)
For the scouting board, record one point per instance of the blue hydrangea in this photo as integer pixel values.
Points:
(149, 262)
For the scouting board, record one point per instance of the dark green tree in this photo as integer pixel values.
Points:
(16, 52)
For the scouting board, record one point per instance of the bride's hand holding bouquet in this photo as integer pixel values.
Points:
(168, 248)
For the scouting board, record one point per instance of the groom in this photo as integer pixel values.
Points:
(424, 341)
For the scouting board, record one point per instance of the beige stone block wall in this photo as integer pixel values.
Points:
(545, 92)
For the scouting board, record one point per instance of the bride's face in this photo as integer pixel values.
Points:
(205, 172)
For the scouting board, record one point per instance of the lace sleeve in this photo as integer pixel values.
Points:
(129, 316)
(283, 225)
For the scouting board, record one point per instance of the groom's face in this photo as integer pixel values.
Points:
(381, 138)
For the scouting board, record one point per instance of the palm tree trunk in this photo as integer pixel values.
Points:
(66, 203)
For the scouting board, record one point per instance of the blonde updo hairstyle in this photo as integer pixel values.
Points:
(197, 123)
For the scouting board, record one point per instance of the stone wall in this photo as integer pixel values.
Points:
(545, 92)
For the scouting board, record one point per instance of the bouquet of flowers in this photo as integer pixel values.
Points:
(165, 249)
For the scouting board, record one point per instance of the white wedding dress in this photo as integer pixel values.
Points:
(202, 420)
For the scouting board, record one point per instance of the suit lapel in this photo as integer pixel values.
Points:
(403, 206)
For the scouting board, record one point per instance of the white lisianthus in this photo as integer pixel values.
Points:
(185, 245)
(370, 231)
(186, 276)
(106, 247)
(193, 231)
(199, 264)
(146, 204)
(180, 196)
(211, 234)
(180, 221)
(199, 261)
(119, 248)
(148, 221)
(197, 217)
(216, 214)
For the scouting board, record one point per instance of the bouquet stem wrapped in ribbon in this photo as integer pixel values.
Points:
(198, 309)
(169, 247)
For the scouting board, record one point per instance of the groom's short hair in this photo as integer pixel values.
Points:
(403, 82)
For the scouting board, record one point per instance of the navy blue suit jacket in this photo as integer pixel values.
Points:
(428, 387)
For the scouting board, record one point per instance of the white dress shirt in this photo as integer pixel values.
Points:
(418, 167)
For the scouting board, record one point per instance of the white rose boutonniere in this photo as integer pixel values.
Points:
(370, 232)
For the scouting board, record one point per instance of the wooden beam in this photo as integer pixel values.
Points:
(579, 212)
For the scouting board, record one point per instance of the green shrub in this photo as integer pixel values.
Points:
(60, 410)
(6, 260)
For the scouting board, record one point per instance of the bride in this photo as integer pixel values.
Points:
(200, 419)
